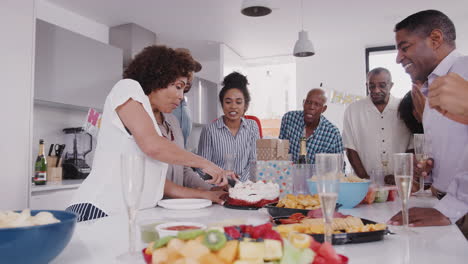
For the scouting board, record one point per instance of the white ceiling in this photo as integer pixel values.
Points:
(205, 21)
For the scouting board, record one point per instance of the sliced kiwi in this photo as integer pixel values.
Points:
(214, 240)
(190, 234)
(162, 242)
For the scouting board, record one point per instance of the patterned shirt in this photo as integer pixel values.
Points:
(216, 141)
(325, 139)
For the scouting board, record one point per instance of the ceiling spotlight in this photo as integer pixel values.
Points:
(255, 8)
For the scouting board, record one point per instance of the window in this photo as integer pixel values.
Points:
(386, 57)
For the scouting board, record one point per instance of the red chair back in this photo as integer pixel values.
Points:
(254, 118)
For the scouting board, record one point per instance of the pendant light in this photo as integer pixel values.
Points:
(303, 46)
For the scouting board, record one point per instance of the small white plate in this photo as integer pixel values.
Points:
(184, 204)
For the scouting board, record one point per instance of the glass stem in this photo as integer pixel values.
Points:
(421, 184)
(405, 214)
(131, 230)
(328, 231)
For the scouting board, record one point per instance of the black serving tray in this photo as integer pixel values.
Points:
(286, 212)
(349, 238)
(239, 207)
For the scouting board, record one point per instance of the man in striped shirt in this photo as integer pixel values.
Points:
(322, 136)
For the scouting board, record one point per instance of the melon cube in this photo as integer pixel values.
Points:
(273, 249)
(251, 250)
(194, 250)
(210, 258)
(229, 252)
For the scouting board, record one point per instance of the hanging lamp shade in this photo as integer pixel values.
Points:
(303, 46)
(255, 8)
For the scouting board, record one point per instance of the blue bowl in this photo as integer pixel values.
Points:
(37, 244)
(349, 195)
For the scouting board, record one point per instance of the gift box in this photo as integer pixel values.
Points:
(276, 171)
(272, 149)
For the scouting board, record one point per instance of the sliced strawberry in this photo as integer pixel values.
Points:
(242, 228)
(232, 231)
(259, 230)
(147, 256)
(272, 234)
(256, 233)
(329, 254)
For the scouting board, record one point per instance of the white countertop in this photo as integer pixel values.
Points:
(102, 240)
(64, 184)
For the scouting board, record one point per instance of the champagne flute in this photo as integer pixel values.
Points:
(328, 170)
(403, 170)
(300, 173)
(132, 168)
(422, 152)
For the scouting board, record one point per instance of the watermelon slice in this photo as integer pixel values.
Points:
(329, 254)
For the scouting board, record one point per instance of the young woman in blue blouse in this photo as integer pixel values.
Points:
(231, 134)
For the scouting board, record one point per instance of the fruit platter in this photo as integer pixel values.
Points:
(347, 229)
(242, 244)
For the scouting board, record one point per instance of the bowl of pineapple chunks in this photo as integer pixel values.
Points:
(242, 244)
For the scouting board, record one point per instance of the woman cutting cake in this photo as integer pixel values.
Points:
(153, 84)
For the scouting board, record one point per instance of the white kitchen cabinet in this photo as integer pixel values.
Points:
(54, 197)
(53, 200)
(72, 69)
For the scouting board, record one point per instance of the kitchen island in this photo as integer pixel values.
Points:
(104, 239)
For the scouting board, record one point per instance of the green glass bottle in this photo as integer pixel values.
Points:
(40, 172)
(303, 159)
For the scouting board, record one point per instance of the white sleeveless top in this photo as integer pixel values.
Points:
(103, 187)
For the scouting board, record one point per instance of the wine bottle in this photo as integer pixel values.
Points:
(303, 159)
(40, 174)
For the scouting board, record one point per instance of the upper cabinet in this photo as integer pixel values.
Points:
(73, 69)
(131, 38)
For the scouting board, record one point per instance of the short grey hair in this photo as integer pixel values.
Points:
(378, 70)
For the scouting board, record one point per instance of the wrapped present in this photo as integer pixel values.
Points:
(277, 171)
(272, 149)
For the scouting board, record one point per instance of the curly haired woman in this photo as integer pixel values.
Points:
(153, 84)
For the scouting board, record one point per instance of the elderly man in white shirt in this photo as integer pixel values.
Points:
(372, 130)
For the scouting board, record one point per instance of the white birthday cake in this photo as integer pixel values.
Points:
(253, 194)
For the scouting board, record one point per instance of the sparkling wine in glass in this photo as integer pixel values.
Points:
(422, 152)
(328, 170)
(132, 168)
(403, 170)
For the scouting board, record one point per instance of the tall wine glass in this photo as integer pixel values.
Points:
(132, 169)
(422, 151)
(328, 169)
(403, 170)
